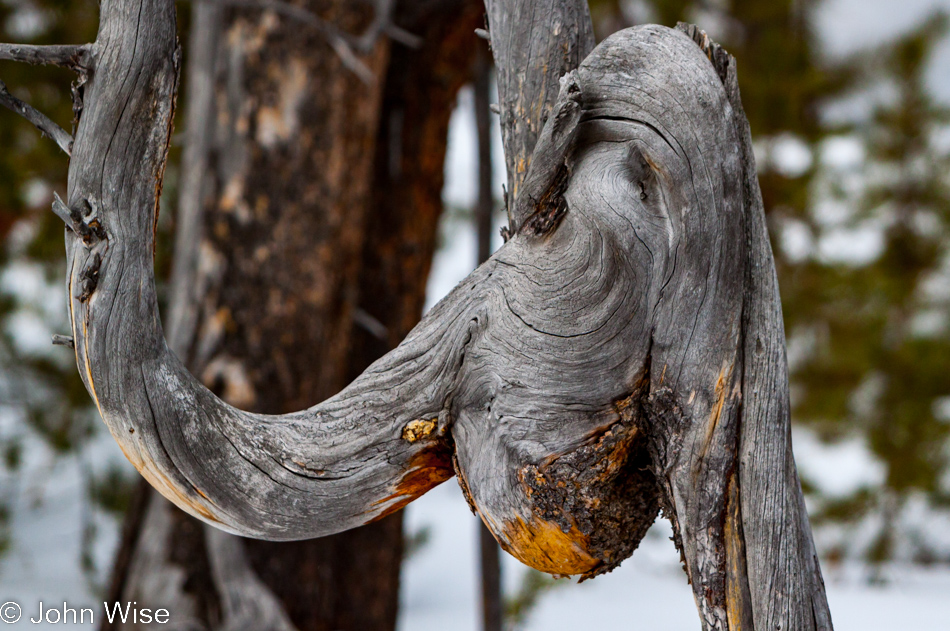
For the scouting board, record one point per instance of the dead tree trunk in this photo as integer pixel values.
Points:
(621, 353)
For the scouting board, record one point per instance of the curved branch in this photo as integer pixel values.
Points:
(356, 457)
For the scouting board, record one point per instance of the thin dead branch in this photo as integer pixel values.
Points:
(78, 58)
(40, 120)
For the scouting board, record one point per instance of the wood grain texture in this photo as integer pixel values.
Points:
(783, 573)
(623, 352)
(534, 43)
(67, 56)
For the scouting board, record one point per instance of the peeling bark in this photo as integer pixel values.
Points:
(622, 352)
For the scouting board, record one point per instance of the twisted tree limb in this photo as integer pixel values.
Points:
(534, 44)
(622, 353)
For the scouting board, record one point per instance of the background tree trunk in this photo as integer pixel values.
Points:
(489, 552)
(280, 259)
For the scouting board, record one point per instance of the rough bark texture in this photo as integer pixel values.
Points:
(534, 42)
(621, 353)
(767, 528)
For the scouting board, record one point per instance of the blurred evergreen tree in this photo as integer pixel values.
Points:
(40, 390)
(877, 332)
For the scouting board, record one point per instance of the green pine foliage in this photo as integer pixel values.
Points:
(41, 395)
(878, 362)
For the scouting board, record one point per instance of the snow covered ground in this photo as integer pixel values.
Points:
(440, 589)
(647, 592)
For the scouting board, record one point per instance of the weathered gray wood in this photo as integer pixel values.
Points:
(622, 352)
(39, 120)
(489, 561)
(74, 57)
(245, 601)
(534, 42)
(783, 576)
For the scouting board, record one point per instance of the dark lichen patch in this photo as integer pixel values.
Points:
(668, 424)
(463, 485)
(604, 491)
(552, 206)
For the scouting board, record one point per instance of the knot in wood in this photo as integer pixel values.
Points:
(602, 495)
(419, 429)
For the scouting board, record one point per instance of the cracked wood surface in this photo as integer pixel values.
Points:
(534, 43)
(631, 345)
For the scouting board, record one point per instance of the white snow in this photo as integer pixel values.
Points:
(647, 592)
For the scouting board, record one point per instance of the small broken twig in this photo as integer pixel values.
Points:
(382, 23)
(40, 120)
(373, 326)
(63, 340)
(404, 37)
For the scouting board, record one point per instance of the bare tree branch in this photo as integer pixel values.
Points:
(40, 120)
(383, 24)
(76, 58)
(63, 340)
(534, 42)
(401, 35)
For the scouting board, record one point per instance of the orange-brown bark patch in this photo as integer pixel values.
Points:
(427, 468)
(716, 413)
(738, 598)
(545, 547)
